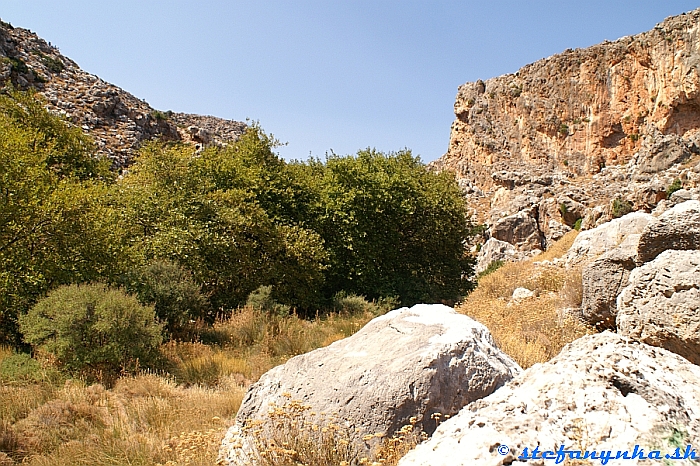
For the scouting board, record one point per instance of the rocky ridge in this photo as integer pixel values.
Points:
(118, 121)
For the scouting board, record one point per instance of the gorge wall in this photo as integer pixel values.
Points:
(583, 109)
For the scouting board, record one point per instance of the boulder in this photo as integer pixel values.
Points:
(603, 280)
(592, 243)
(495, 250)
(520, 230)
(661, 304)
(677, 228)
(602, 392)
(521, 293)
(408, 363)
(570, 210)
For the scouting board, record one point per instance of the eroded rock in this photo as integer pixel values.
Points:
(661, 304)
(601, 392)
(410, 362)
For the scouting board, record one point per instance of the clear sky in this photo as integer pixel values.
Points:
(322, 75)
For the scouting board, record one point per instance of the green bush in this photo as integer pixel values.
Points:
(493, 266)
(673, 187)
(577, 224)
(621, 207)
(22, 368)
(172, 291)
(93, 330)
(351, 303)
(262, 299)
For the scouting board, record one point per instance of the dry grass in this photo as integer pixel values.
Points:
(532, 330)
(296, 436)
(144, 420)
(152, 420)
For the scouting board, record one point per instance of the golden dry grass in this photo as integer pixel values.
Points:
(153, 420)
(144, 420)
(531, 330)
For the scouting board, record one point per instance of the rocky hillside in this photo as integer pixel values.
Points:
(565, 137)
(118, 121)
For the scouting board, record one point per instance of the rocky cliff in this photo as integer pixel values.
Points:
(118, 121)
(618, 122)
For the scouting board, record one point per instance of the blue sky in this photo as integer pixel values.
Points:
(322, 75)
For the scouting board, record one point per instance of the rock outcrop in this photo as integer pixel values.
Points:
(603, 280)
(118, 121)
(661, 304)
(592, 243)
(408, 363)
(602, 392)
(677, 228)
(584, 109)
(584, 136)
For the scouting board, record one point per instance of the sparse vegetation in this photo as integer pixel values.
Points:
(492, 267)
(564, 129)
(577, 224)
(673, 187)
(620, 207)
(534, 331)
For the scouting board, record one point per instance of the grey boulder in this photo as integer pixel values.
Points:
(408, 363)
(520, 230)
(602, 392)
(661, 304)
(677, 228)
(496, 250)
(603, 280)
(592, 243)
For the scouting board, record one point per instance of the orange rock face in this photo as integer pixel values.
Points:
(583, 109)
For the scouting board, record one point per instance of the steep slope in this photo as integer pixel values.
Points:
(118, 121)
(575, 131)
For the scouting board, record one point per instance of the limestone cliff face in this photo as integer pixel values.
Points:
(118, 121)
(583, 109)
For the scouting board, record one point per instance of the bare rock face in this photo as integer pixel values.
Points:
(583, 109)
(603, 280)
(496, 250)
(677, 228)
(410, 362)
(661, 304)
(592, 243)
(119, 122)
(601, 392)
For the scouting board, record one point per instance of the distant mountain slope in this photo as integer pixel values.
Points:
(118, 121)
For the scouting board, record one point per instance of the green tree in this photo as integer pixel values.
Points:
(219, 214)
(93, 330)
(53, 228)
(392, 228)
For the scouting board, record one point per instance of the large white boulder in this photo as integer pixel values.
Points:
(677, 228)
(408, 363)
(602, 392)
(592, 243)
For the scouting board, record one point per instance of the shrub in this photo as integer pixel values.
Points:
(351, 303)
(577, 224)
(172, 291)
(20, 367)
(262, 299)
(493, 266)
(93, 330)
(620, 208)
(564, 129)
(673, 187)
